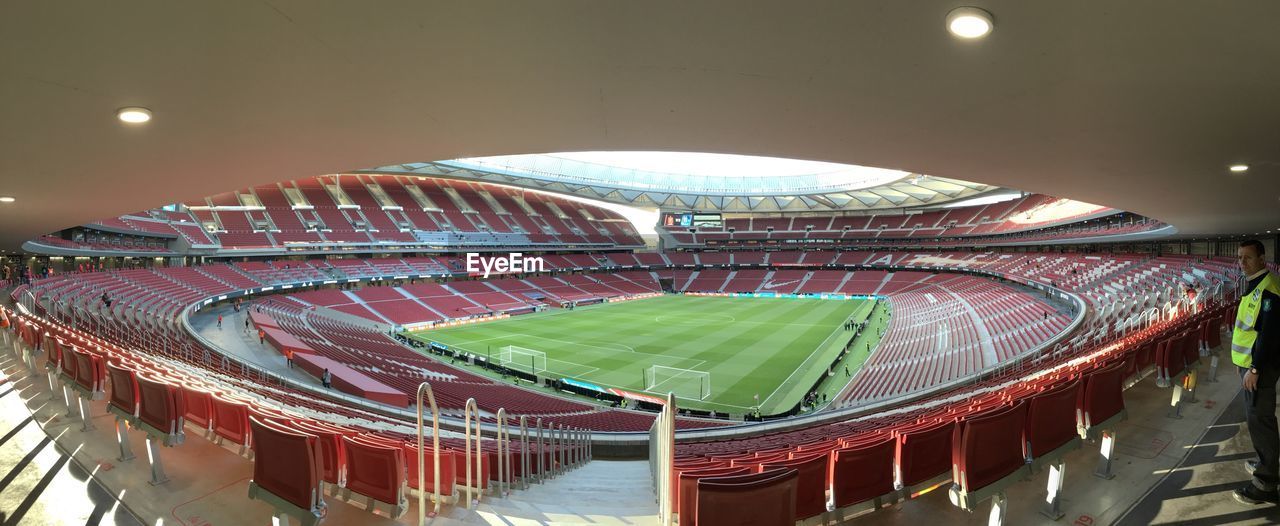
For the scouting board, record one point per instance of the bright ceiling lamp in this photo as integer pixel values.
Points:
(133, 115)
(7, 199)
(970, 22)
(1238, 168)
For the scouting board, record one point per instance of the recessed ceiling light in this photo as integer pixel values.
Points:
(7, 199)
(970, 22)
(1238, 168)
(133, 115)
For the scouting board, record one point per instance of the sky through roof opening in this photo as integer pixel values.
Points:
(707, 173)
(717, 164)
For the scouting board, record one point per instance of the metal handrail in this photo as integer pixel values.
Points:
(424, 387)
(559, 450)
(524, 452)
(469, 410)
(509, 459)
(542, 452)
(573, 448)
(582, 444)
(503, 451)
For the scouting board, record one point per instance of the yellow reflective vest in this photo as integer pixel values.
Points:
(1246, 329)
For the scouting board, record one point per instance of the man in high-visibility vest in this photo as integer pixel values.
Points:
(1255, 349)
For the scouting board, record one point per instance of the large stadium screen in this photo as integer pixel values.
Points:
(691, 219)
(684, 219)
(707, 220)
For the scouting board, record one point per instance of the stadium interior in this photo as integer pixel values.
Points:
(631, 263)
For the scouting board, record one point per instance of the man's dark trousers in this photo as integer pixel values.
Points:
(1260, 415)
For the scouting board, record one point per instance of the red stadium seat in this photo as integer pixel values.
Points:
(376, 469)
(685, 494)
(988, 455)
(124, 404)
(198, 405)
(124, 392)
(231, 422)
(67, 364)
(811, 484)
(333, 457)
(88, 379)
(923, 456)
(448, 465)
(53, 356)
(757, 499)
(1051, 422)
(286, 473)
(161, 411)
(1099, 408)
(861, 475)
(755, 461)
(1051, 434)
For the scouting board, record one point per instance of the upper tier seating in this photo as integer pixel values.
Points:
(1030, 218)
(370, 211)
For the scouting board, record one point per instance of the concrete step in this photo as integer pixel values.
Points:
(600, 492)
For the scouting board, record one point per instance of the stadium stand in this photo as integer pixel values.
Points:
(987, 324)
(1027, 219)
(990, 370)
(385, 213)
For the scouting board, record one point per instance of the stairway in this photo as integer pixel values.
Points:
(600, 492)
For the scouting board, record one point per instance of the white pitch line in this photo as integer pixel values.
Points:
(817, 350)
(561, 373)
(667, 356)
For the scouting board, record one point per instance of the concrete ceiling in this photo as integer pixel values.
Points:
(1138, 105)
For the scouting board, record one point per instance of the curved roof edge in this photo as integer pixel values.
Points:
(908, 191)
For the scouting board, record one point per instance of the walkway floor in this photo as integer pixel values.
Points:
(233, 339)
(40, 484)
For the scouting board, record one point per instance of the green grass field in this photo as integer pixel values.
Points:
(774, 347)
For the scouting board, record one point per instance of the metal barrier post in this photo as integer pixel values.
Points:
(469, 410)
(524, 452)
(424, 387)
(502, 452)
(542, 452)
(560, 451)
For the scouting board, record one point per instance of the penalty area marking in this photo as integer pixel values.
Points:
(589, 368)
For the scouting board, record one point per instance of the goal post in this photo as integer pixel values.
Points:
(690, 384)
(522, 359)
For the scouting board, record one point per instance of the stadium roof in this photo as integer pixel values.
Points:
(1140, 105)
(706, 182)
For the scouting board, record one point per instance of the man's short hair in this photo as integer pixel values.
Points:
(1257, 246)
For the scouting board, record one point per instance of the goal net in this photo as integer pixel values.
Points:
(521, 359)
(689, 384)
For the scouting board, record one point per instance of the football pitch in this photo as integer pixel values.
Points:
(735, 348)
